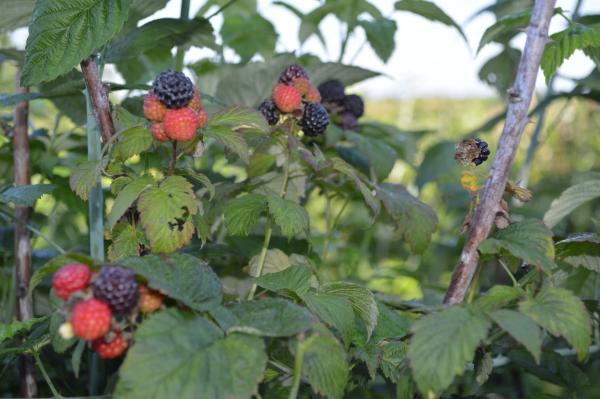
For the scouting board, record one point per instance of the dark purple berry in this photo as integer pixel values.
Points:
(314, 119)
(116, 286)
(331, 91)
(173, 89)
(292, 72)
(269, 111)
(354, 105)
(484, 152)
(348, 121)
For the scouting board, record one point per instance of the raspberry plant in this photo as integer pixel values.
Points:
(234, 210)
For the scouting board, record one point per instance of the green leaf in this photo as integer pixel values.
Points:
(498, 297)
(295, 279)
(484, 366)
(506, 24)
(570, 199)
(54, 264)
(380, 34)
(11, 330)
(275, 261)
(529, 240)
(344, 168)
(346, 74)
(61, 35)
(248, 35)
(85, 177)
(390, 324)
(66, 93)
(415, 221)
(394, 361)
(499, 71)
(564, 43)
(239, 118)
(270, 317)
(361, 299)
(126, 240)
(231, 139)
(132, 141)
(166, 214)
(325, 366)
(580, 250)
(333, 310)
(202, 179)
(382, 157)
(179, 355)
(126, 198)
(15, 14)
(290, 217)
(243, 212)
(182, 277)
(562, 314)
(521, 328)
(438, 164)
(430, 11)
(26, 195)
(442, 344)
(125, 119)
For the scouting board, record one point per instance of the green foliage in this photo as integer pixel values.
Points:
(580, 250)
(380, 34)
(271, 317)
(499, 296)
(126, 197)
(25, 195)
(521, 328)
(243, 212)
(84, 178)
(293, 279)
(333, 310)
(289, 216)
(11, 330)
(442, 344)
(430, 11)
(16, 14)
(132, 141)
(361, 299)
(249, 35)
(185, 356)
(61, 36)
(529, 240)
(570, 199)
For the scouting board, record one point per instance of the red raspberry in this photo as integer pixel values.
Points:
(158, 132)
(70, 278)
(313, 95)
(180, 124)
(90, 319)
(196, 102)
(154, 110)
(202, 118)
(150, 300)
(302, 84)
(286, 98)
(109, 350)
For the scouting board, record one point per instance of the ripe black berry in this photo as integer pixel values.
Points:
(354, 105)
(314, 119)
(331, 91)
(292, 72)
(173, 89)
(484, 152)
(348, 121)
(116, 286)
(269, 111)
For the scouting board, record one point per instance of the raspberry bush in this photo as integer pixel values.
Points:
(246, 226)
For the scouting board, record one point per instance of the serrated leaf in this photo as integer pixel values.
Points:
(126, 197)
(202, 179)
(183, 277)
(179, 355)
(237, 118)
(132, 141)
(498, 297)
(415, 221)
(361, 299)
(428, 10)
(390, 324)
(243, 212)
(270, 317)
(346, 74)
(26, 195)
(248, 35)
(333, 310)
(368, 195)
(62, 33)
(380, 34)
(381, 156)
(570, 199)
(442, 344)
(562, 314)
(294, 279)
(521, 328)
(324, 365)
(275, 261)
(580, 250)
(166, 214)
(504, 25)
(484, 366)
(564, 43)
(529, 240)
(394, 360)
(290, 217)
(231, 139)
(11, 330)
(84, 177)
(125, 120)
(125, 242)
(54, 264)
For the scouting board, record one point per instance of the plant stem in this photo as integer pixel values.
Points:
(297, 368)
(507, 270)
(22, 236)
(40, 365)
(223, 7)
(184, 15)
(516, 119)
(100, 106)
(349, 29)
(173, 159)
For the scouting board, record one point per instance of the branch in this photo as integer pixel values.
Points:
(516, 118)
(99, 97)
(22, 237)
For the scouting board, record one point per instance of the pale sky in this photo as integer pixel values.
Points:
(430, 60)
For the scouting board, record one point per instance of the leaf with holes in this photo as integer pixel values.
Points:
(166, 214)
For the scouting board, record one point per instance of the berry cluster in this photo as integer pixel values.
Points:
(484, 152)
(175, 107)
(93, 300)
(294, 95)
(473, 151)
(346, 108)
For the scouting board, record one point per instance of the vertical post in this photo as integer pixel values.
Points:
(183, 15)
(22, 237)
